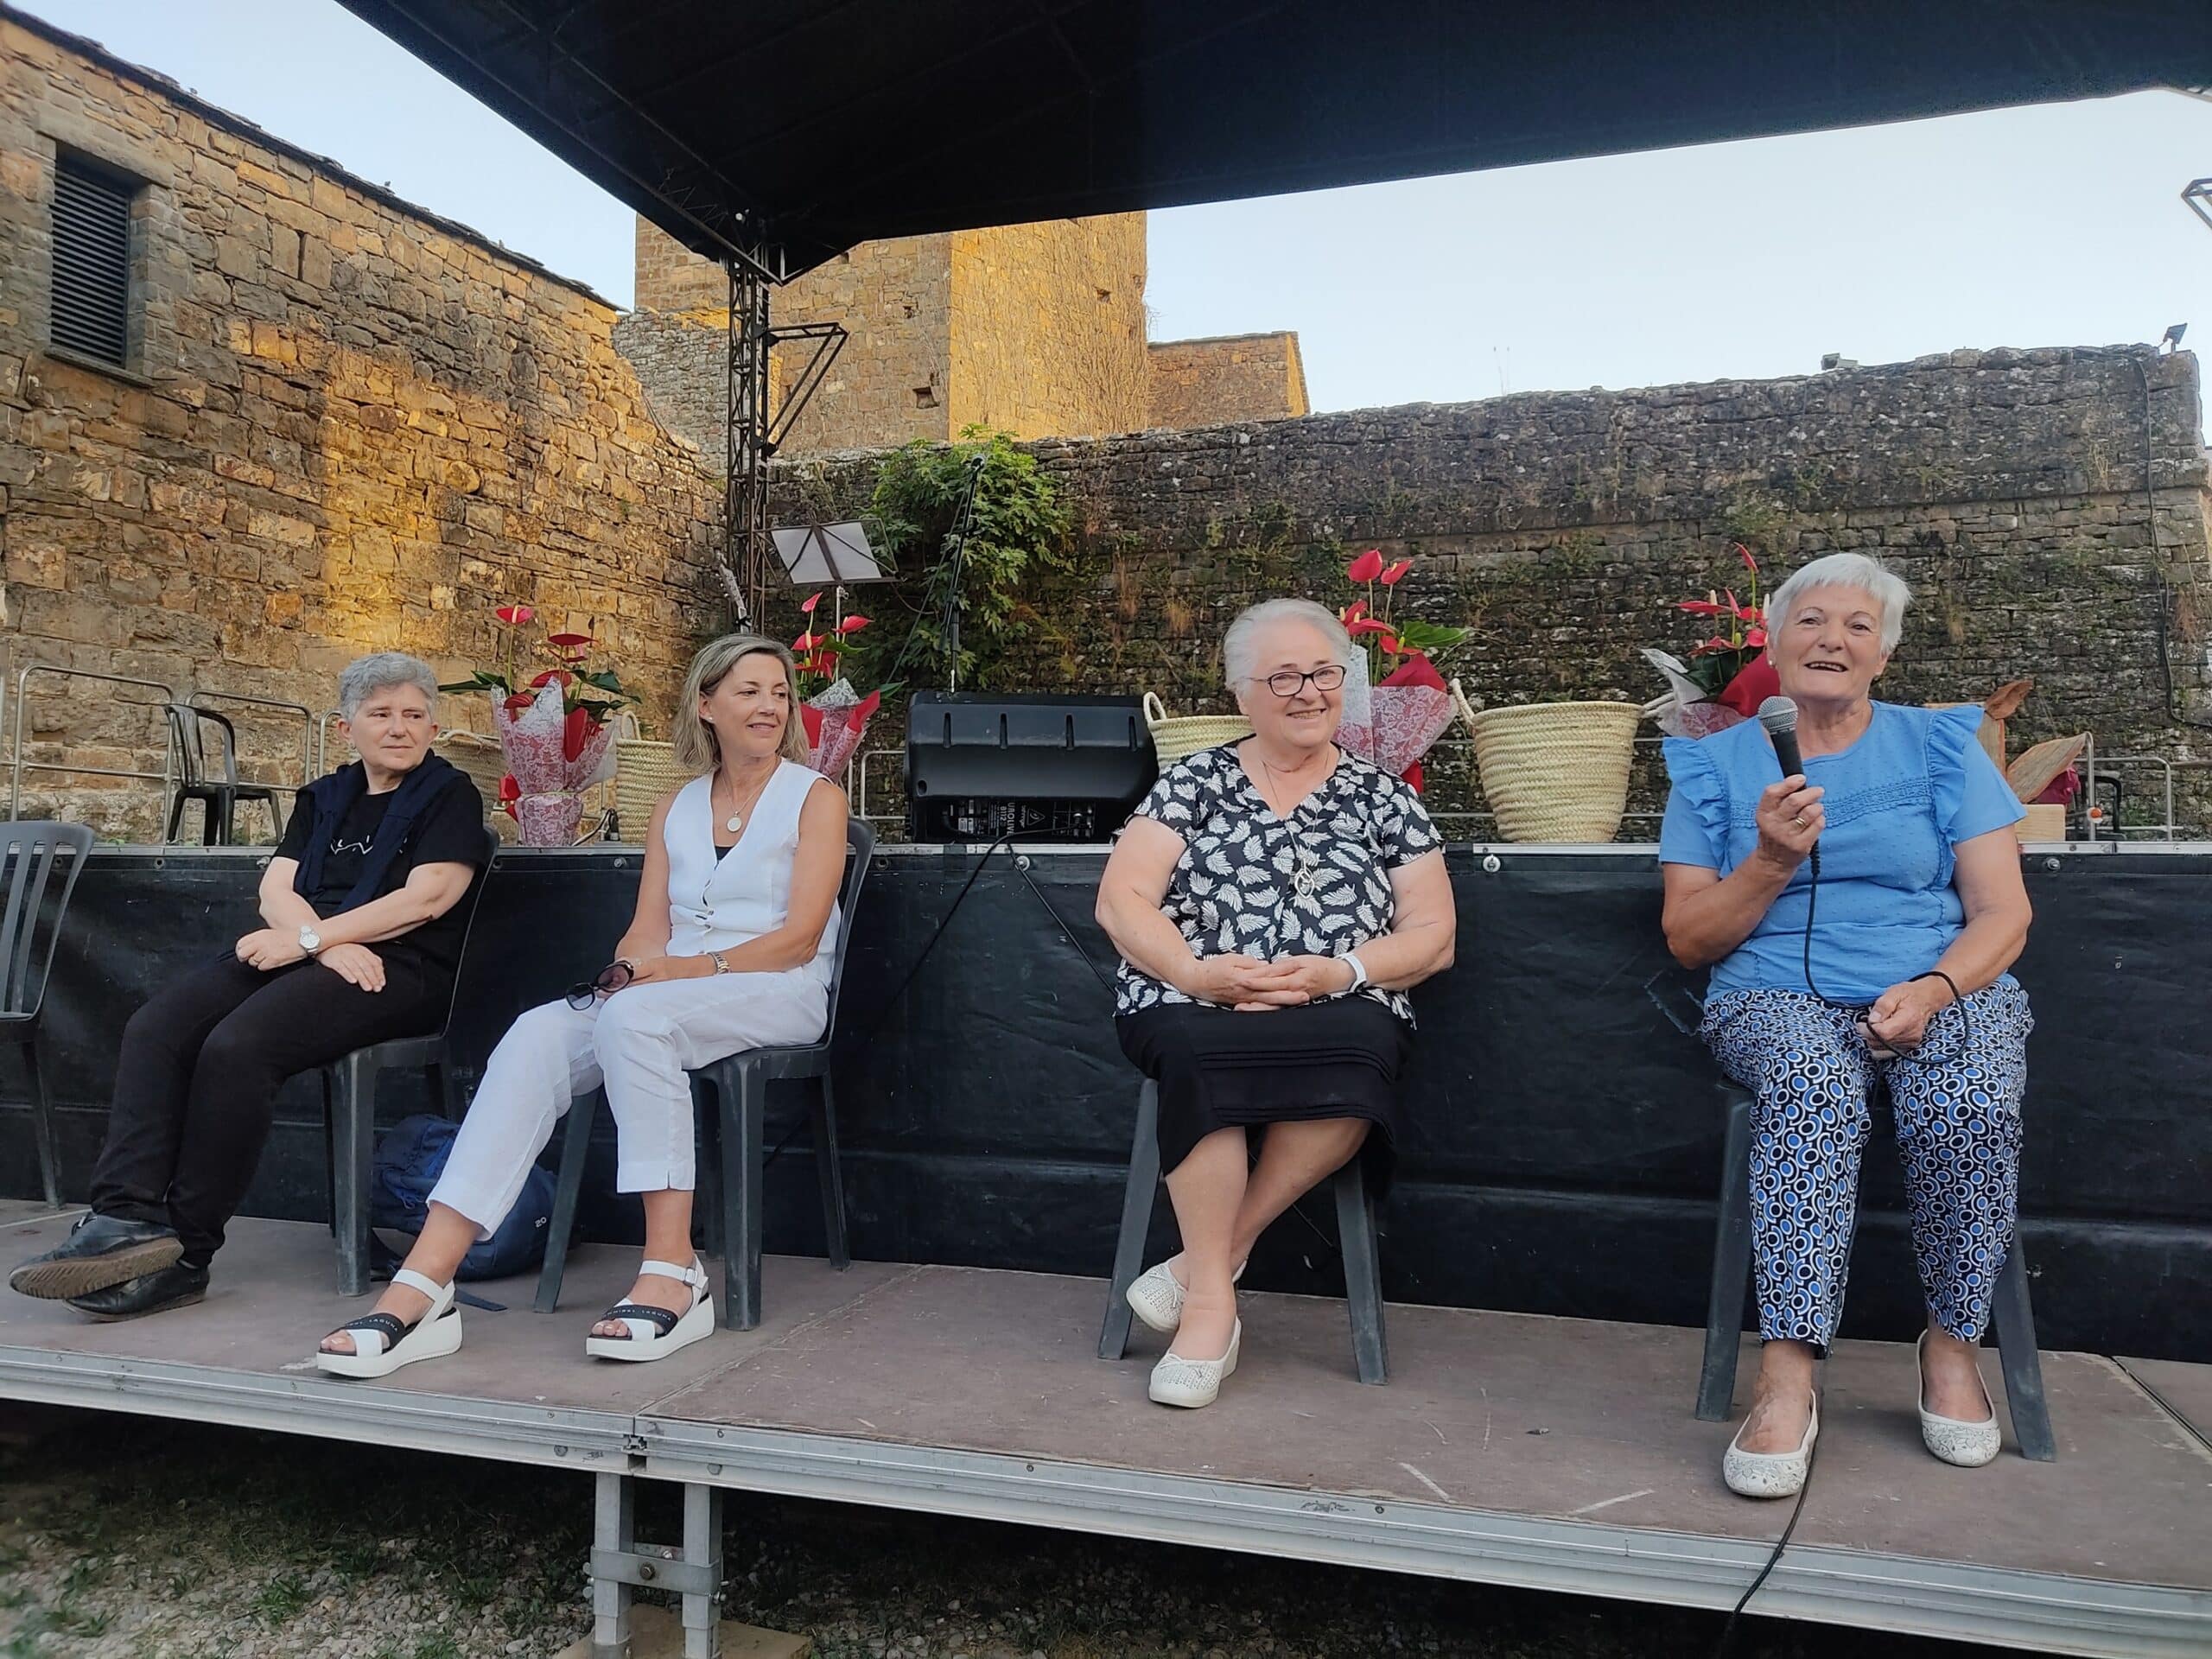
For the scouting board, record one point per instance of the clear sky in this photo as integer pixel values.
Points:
(2055, 225)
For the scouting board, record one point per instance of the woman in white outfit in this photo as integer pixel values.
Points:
(727, 951)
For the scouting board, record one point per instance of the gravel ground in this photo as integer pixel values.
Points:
(125, 1536)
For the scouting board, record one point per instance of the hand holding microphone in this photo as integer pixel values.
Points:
(1790, 818)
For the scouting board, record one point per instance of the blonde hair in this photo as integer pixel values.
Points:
(698, 749)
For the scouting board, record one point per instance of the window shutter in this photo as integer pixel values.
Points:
(91, 263)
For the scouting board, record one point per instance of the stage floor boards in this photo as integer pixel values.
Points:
(1551, 1452)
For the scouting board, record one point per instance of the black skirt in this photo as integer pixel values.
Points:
(1218, 1069)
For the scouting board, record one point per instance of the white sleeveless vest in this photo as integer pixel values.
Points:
(717, 899)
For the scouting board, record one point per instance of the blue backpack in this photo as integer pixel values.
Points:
(409, 1158)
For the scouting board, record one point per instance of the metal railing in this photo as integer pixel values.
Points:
(17, 766)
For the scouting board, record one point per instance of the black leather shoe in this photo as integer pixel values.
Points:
(175, 1286)
(100, 1251)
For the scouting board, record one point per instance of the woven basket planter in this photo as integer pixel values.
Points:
(1177, 737)
(645, 771)
(1557, 772)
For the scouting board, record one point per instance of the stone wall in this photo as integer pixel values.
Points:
(1032, 329)
(1048, 328)
(352, 426)
(2008, 487)
(1235, 378)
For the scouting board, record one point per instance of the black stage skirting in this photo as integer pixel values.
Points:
(1562, 1138)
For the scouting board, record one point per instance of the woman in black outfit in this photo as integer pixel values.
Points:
(362, 941)
(1273, 901)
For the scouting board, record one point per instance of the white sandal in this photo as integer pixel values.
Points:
(1194, 1382)
(655, 1332)
(1155, 1296)
(1770, 1474)
(382, 1345)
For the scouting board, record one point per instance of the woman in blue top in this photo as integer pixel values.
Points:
(1882, 953)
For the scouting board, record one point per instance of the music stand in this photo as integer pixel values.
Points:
(822, 555)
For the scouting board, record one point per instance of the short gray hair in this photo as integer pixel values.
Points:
(375, 672)
(1869, 576)
(1240, 646)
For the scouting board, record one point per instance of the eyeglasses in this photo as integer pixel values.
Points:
(1290, 682)
(609, 980)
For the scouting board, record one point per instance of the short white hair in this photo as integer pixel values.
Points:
(1869, 576)
(383, 669)
(1240, 646)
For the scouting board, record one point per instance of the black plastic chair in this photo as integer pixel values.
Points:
(1732, 1280)
(349, 1106)
(1355, 1233)
(29, 929)
(218, 796)
(732, 1189)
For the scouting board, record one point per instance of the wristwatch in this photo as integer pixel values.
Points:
(1358, 972)
(310, 941)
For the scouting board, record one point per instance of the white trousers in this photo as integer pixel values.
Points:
(639, 1043)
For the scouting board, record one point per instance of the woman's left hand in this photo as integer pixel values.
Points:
(654, 970)
(1312, 979)
(1900, 1015)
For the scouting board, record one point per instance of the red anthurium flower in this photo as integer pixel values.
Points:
(1756, 639)
(1360, 624)
(804, 643)
(1714, 644)
(807, 605)
(1699, 607)
(1353, 612)
(514, 615)
(1390, 643)
(575, 732)
(1391, 578)
(569, 641)
(1749, 563)
(553, 674)
(520, 702)
(852, 625)
(1366, 567)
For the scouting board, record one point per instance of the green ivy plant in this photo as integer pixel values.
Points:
(1019, 530)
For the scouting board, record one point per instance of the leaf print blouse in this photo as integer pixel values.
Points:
(1316, 883)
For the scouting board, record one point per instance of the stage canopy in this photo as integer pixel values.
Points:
(794, 129)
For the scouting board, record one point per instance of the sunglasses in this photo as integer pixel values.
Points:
(609, 980)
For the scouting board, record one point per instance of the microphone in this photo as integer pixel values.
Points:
(1779, 715)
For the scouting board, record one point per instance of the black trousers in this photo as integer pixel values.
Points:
(196, 1082)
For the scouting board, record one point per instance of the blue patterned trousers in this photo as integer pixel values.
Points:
(1956, 1102)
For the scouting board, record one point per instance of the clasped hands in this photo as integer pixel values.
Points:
(1251, 986)
(270, 947)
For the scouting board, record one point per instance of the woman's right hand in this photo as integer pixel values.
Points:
(1243, 981)
(1789, 821)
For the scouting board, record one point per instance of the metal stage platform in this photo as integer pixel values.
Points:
(1518, 1449)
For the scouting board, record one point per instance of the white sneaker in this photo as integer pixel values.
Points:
(1770, 1474)
(1968, 1445)
(1194, 1382)
(1155, 1296)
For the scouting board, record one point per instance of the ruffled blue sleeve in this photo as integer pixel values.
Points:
(1695, 829)
(1970, 795)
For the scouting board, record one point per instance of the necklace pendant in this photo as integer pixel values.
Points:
(735, 823)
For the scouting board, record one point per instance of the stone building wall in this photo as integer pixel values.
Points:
(1235, 378)
(2008, 487)
(1048, 328)
(352, 426)
(1032, 329)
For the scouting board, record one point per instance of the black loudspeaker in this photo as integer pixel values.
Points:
(1045, 768)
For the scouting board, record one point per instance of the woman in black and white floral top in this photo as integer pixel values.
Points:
(1273, 901)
